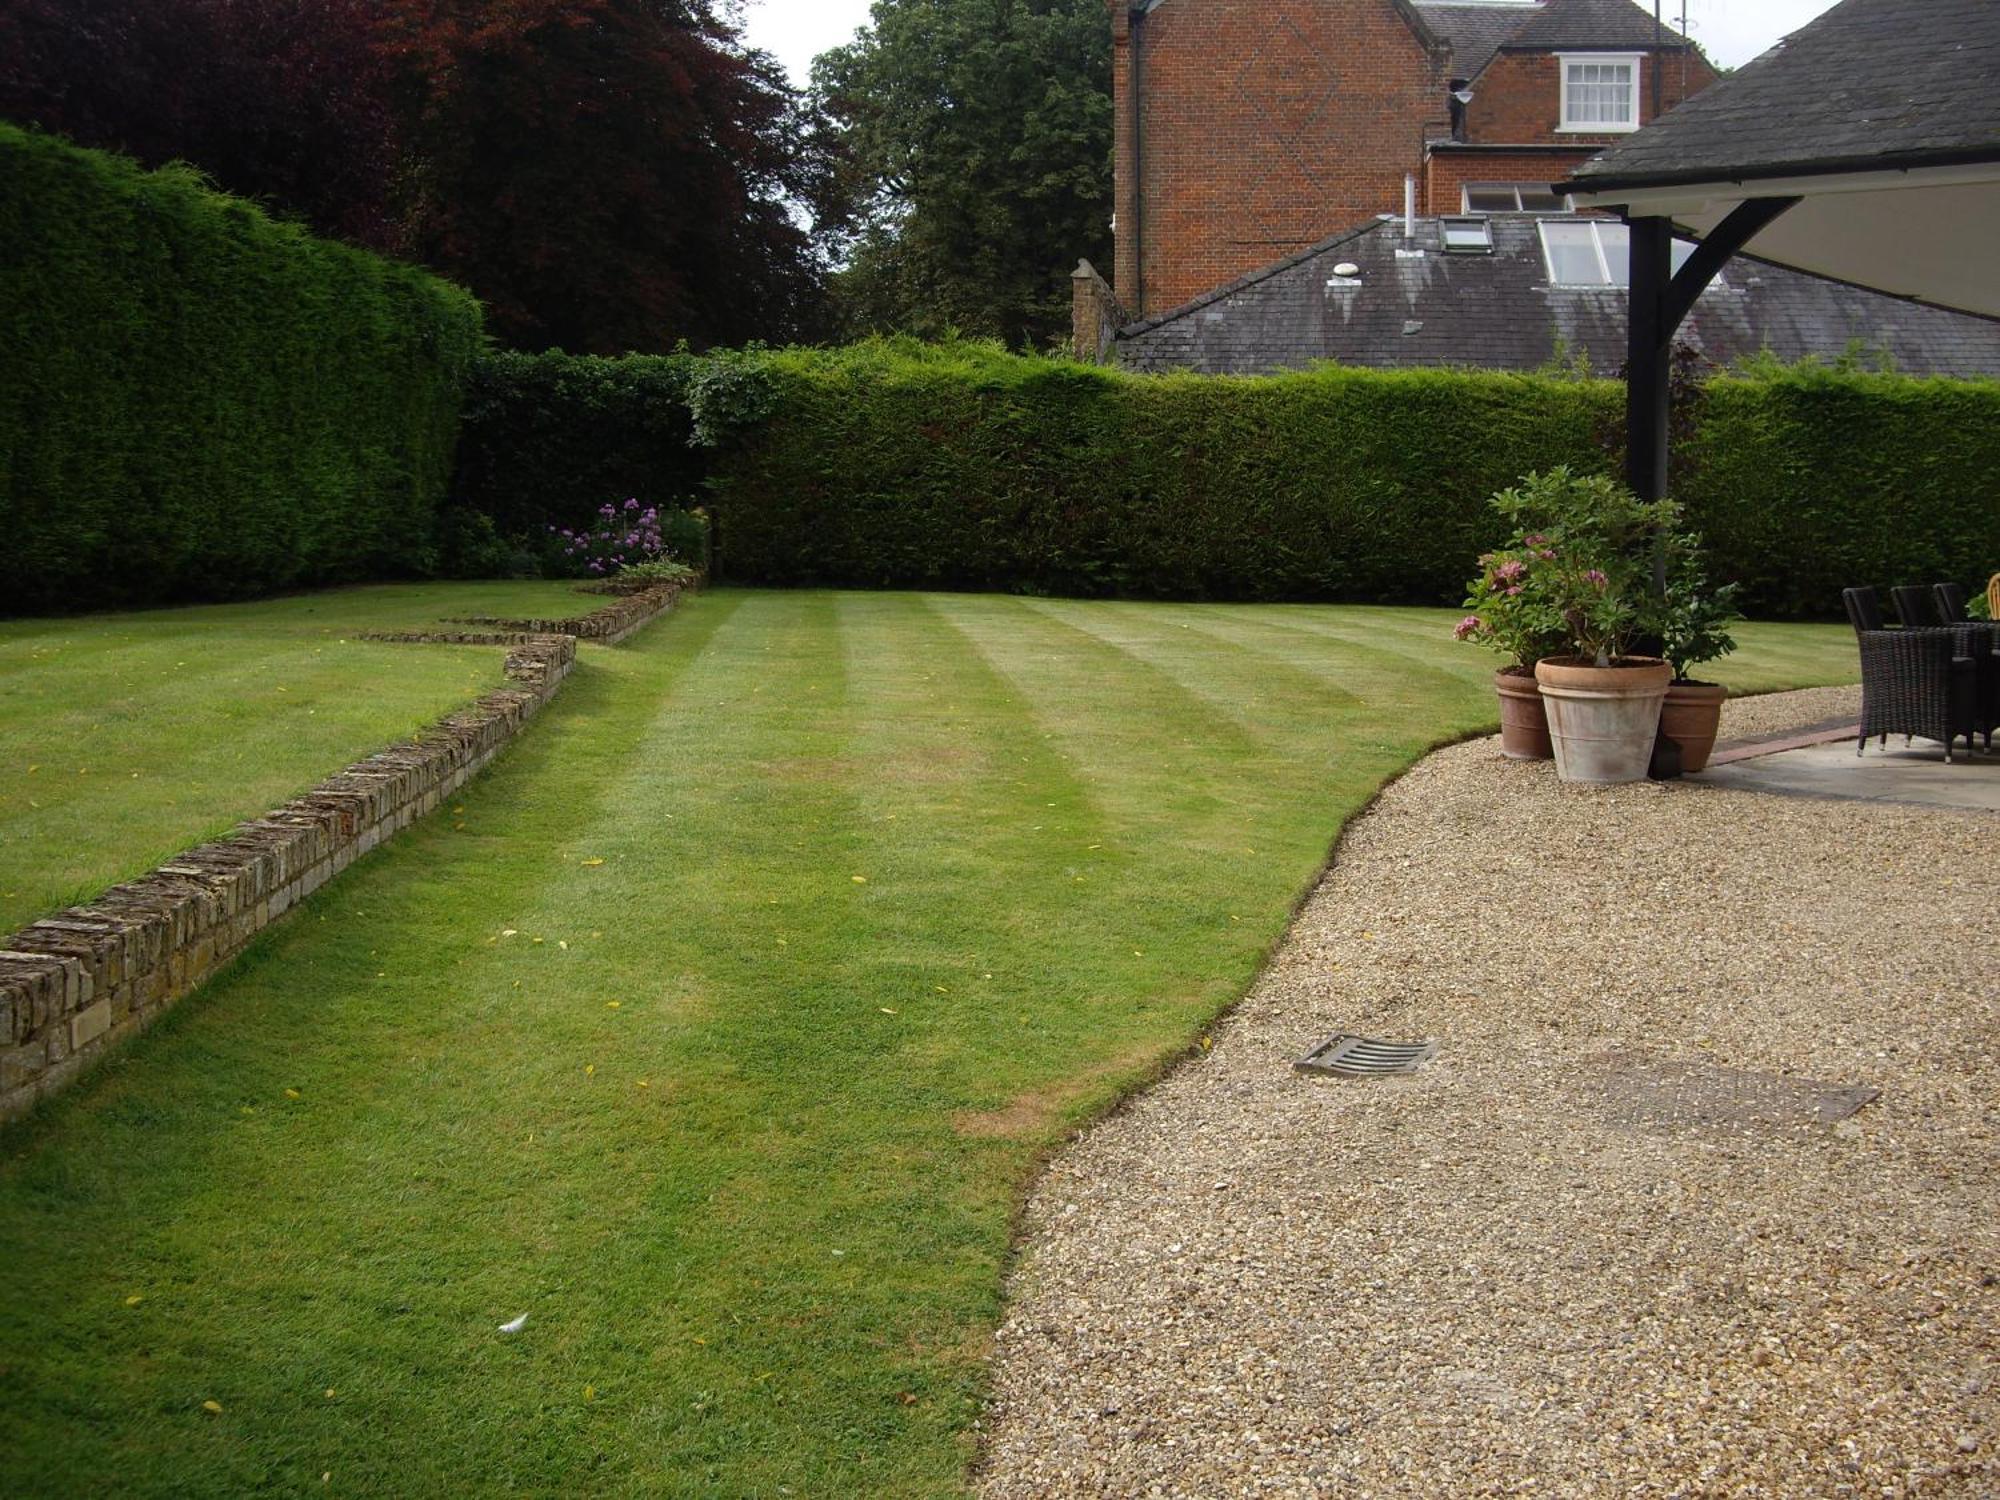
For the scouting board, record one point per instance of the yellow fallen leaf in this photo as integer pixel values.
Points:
(329, 1393)
(590, 1393)
(941, 989)
(292, 1094)
(536, 941)
(859, 879)
(510, 932)
(782, 943)
(591, 864)
(613, 1004)
(885, 1010)
(562, 945)
(644, 1084)
(1206, 1043)
(135, 1299)
(214, 1406)
(589, 1069)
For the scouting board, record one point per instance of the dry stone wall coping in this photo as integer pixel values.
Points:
(75, 984)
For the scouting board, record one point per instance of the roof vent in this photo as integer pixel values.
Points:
(1347, 268)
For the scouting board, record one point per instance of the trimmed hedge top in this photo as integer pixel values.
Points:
(198, 401)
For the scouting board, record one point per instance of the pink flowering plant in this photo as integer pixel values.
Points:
(1573, 581)
(617, 537)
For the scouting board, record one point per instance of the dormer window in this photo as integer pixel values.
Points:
(1600, 92)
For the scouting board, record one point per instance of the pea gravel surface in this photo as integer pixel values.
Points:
(1613, 1240)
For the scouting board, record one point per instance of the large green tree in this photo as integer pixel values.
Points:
(978, 139)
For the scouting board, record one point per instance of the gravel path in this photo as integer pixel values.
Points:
(1572, 1255)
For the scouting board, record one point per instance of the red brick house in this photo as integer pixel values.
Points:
(1248, 130)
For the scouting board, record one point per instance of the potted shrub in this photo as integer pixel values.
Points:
(1589, 581)
(1510, 616)
(1694, 622)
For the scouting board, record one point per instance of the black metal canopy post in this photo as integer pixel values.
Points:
(1660, 301)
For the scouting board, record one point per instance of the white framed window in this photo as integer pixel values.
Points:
(1600, 92)
(1510, 197)
(1597, 253)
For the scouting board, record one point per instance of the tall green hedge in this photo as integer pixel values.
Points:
(551, 437)
(197, 401)
(898, 465)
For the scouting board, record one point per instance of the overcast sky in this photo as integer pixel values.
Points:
(1733, 31)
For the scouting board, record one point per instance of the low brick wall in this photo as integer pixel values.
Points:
(606, 626)
(75, 984)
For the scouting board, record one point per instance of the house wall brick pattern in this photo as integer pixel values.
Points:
(76, 984)
(1517, 100)
(1447, 172)
(1267, 123)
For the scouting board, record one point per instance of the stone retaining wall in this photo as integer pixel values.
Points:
(75, 984)
(606, 626)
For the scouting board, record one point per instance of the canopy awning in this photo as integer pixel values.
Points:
(1931, 234)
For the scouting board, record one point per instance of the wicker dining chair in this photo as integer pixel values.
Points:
(1864, 609)
(1914, 605)
(1950, 601)
(1920, 681)
(1993, 597)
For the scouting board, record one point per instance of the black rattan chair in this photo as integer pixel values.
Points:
(1950, 601)
(1921, 681)
(1914, 606)
(1864, 609)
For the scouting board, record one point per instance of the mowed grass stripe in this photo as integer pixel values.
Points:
(747, 1148)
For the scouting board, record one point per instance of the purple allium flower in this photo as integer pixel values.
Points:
(631, 504)
(1596, 577)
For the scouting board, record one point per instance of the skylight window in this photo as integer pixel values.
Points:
(1596, 253)
(1511, 197)
(1600, 92)
(1467, 235)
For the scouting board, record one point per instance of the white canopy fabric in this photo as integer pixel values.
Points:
(1931, 234)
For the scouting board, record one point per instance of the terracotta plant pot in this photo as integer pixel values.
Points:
(1524, 726)
(1603, 720)
(1690, 718)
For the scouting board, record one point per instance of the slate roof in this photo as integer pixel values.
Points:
(1595, 24)
(1498, 311)
(1871, 84)
(1477, 33)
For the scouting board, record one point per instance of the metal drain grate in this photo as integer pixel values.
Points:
(1365, 1057)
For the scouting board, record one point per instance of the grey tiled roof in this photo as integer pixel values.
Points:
(1499, 312)
(1872, 83)
(1476, 33)
(1473, 32)
(1593, 23)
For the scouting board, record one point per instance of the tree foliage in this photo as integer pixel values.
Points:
(977, 139)
(289, 101)
(608, 175)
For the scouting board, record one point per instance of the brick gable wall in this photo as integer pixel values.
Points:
(1268, 124)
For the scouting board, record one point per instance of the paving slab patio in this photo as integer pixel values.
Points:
(1697, 1197)
(1918, 775)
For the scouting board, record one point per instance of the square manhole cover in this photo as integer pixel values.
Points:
(1677, 1094)
(1347, 1056)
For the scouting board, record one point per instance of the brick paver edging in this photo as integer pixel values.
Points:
(75, 984)
(606, 626)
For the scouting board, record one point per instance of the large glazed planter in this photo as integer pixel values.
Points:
(1690, 718)
(1603, 720)
(1524, 726)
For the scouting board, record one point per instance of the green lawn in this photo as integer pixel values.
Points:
(893, 889)
(127, 738)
